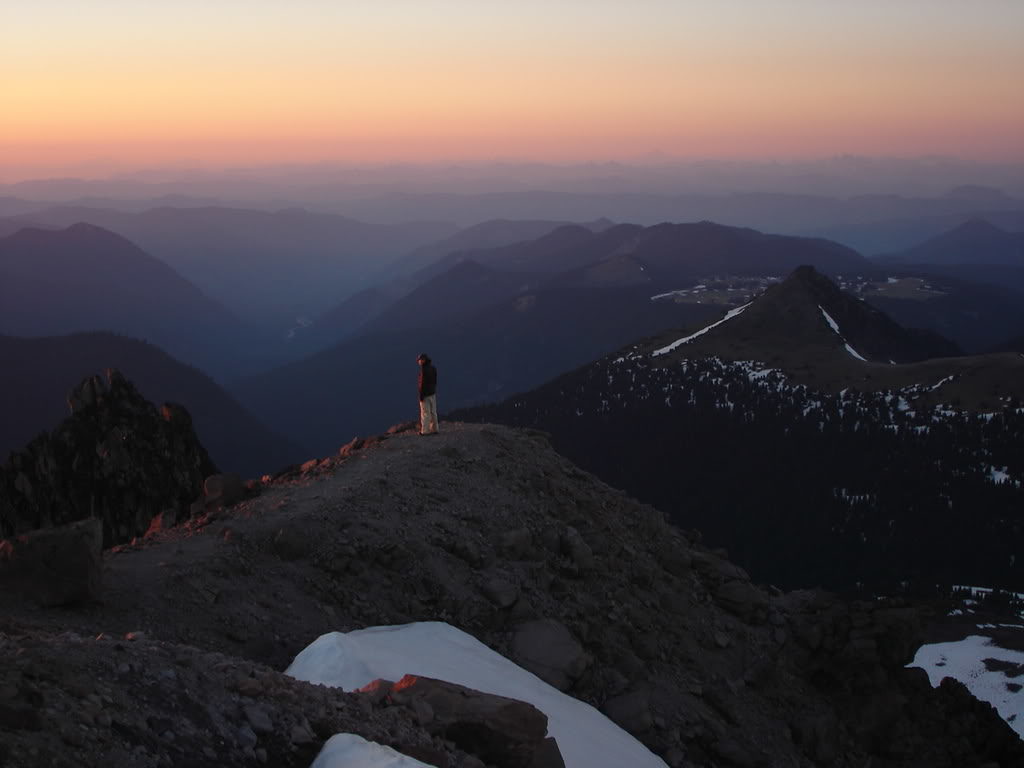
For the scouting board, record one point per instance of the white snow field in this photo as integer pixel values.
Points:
(346, 750)
(350, 660)
(964, 661)
(728, 316)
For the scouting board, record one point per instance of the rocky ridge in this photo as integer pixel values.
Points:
(490, 530)
(116, 458)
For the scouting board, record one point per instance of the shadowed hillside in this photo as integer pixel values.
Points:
(85, 278)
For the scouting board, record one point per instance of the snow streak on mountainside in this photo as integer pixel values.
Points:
(835, 327)
(728, 316)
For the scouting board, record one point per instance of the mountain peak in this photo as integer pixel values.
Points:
(142, 462)
(806, 274)
(975, 241)
(807, 282)
(807, 322)
(78, 235)
(977, 226)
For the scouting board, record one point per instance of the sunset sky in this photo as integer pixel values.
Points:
(130, 83)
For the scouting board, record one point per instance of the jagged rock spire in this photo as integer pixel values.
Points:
(116, 457)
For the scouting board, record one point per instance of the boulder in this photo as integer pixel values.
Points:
(548, 649)
(743, 599)
(500, 731)
(501, 592)
(710, 565)
(577, 550)
(404, 426)
(631, 711)
(351, 447)
(223, 490)
(548, 755)
(517, 545)
(55, 566)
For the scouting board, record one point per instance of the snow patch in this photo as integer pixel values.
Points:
(828, 319)
(835, 327)
(964, 661)
(854, 352)
(344, 750)
(350, 660)
(998, 475)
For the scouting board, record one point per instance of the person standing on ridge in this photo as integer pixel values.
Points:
(428, 395)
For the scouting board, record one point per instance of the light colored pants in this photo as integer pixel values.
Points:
(428, 415)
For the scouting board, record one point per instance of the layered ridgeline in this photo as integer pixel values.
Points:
(476, 244)
(85, 278)
(811, 436)
(977, 242)
(36, 375)
(503, 547)
(503, 320)
(267, 267)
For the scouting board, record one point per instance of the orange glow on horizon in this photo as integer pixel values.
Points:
(451, 80)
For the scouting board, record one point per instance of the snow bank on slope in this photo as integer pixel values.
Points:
(350, 660)
(854, 353)
(964, 661)
(728, 316)
(346, 750)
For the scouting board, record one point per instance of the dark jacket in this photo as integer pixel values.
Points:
(428, 379)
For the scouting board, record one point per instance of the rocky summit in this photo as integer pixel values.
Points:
(116, 458)
(490, 530)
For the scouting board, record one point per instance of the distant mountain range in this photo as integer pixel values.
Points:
(494, 330)
(971, 305)
(889, 235)
(267, 267)
(791, 213)
(493, 233)
(85, 278)
(783, 432)
(976, 242)
(498, 320)
(413, 270)
(663, 256)
(37, 374)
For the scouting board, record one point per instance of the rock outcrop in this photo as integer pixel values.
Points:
(70, 701)
(116, 458)
(503, 732)
(55, 566)
(548, 649)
